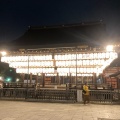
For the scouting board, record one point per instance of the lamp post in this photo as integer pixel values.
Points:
(27, 75)
(28, 72)
(76, 68)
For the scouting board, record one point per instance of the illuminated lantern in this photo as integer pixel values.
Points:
(56, 57)
(107, 55)
(80, 56)
(94, 55)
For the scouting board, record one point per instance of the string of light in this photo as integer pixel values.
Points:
(86, 63)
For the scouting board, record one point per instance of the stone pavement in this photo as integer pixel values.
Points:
(20, 110)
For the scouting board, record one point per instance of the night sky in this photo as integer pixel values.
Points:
(17, 15)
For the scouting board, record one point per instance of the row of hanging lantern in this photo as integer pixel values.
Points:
(72, 74)
(59, 70)
(26, 58)
(102, 55)
(80, 62)
(79, 70)
(60, 57)
(37, 63)
(32, 64)
(68, 74)
(35, 70)
(60, 74)
(58, 63)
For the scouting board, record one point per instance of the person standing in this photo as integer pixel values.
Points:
(86, 93)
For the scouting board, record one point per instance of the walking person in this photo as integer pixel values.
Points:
(86, 93)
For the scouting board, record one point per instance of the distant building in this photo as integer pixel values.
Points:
(62, 54)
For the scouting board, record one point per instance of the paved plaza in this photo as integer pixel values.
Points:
(20, 110)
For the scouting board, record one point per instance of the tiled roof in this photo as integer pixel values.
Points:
(92, 33)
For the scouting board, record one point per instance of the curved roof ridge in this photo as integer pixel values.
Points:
(66, 25)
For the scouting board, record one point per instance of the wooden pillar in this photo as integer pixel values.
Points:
(57, 77)
(94, 80)
(43, 79)
(36, 81)
(118, 83)
(22, 77)
(30, 78)
(70, 84)
(59, 80)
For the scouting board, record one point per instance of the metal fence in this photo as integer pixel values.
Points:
(101, 96)
(104, 96)
(13, 93)
(41, 94)
(55, 95)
